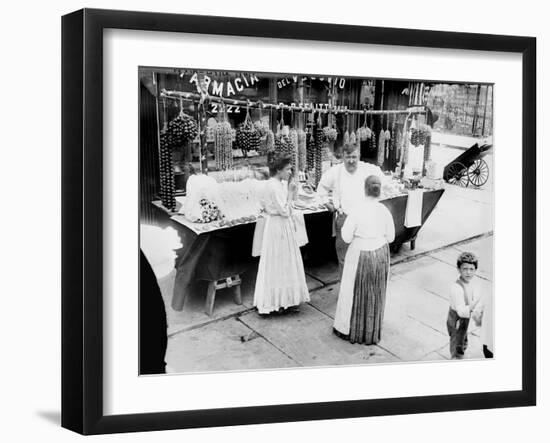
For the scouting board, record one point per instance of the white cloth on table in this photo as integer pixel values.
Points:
(413, 213)
(368, 228)
(416, 157)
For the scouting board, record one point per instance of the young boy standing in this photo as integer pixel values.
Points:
(463, 300)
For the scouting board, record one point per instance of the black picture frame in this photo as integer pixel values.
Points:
(82, 220)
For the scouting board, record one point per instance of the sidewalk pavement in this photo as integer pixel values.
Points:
(237, 338)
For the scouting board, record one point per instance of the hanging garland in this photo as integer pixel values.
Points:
(248, 138)
(167, 181)
(364, 133)
(223, 143)
(381, 147)
(318, 146)
(302, 155)
(182, 129)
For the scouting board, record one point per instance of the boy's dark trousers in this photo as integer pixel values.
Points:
(458, 333)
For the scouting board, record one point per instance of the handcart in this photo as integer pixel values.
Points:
(469, 167)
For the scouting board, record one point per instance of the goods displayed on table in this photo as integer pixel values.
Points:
(392, 188)
(227, 202)
(200, 204)
(307, 199)
(239, 202)
(239, 174)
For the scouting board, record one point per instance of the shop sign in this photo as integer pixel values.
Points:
(338, 81)
(224, 88)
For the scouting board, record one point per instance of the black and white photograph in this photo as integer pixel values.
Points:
(300, 220)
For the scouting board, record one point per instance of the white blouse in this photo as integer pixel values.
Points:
(370, 224)
(275, 195)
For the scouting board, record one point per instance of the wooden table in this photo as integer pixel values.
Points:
(215, 253)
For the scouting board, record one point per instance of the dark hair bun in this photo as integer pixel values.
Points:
(276, 161)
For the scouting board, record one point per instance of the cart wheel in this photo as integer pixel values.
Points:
(478, 173)
(457, 174)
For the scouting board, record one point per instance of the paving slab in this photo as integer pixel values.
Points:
(193, 314)
(447, 255)
(407, 338)
(429, 274)
(220, 347)
(327, 273)
(418, 304)
(433, 356)
(325, 299)
(307, 338)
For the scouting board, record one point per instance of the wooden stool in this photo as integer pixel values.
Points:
(213, 286)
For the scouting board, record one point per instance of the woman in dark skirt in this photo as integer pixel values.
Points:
(369, 229)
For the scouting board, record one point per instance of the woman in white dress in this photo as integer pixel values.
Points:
(361, 301)
(281, 280)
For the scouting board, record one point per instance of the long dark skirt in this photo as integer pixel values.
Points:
(369, 296)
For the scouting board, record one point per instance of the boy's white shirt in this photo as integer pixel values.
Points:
(457, 301)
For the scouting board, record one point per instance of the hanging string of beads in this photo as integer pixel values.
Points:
(293, 137)
(302, 155)
(393, 144)
(270, 137)
(166, 170)
(373, 145)
(223, 142)
(387, 140)
(318, 143)
(381, 147)
(310, 146)
(346, 134)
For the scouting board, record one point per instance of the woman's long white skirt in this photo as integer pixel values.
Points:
(281, 280)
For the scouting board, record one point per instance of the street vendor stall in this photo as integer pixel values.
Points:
(212, 252)
(218, 200)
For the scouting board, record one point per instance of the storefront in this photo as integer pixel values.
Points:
(218, 127)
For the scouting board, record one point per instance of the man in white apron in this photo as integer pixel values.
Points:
(341, 188)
